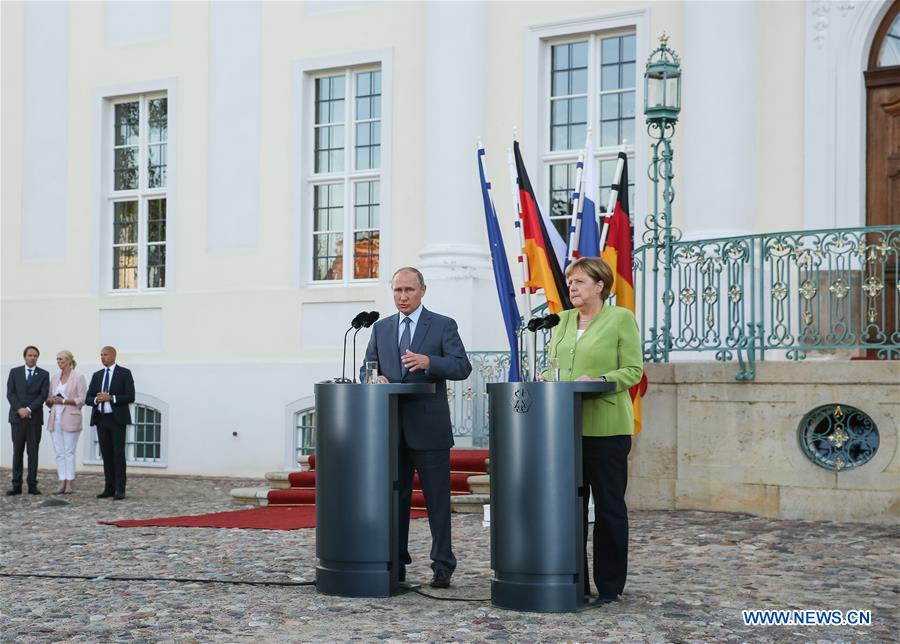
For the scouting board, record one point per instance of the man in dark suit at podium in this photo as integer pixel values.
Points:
(416, 345)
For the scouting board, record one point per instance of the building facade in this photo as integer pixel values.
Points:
(217, 188)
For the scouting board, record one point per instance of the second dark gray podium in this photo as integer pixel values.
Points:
(356, 487)
(536, 508)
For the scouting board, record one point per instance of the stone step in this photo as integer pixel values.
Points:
(469, 503)
(480, 484)
(250, 495)
(278, 480)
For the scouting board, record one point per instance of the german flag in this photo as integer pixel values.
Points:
(617, 254)
(544, 270)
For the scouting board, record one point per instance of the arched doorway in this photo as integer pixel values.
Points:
(882, 78)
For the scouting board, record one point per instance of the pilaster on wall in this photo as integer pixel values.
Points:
(838, 38)
(455, 260)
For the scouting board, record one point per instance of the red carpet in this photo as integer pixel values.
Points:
(272, 517)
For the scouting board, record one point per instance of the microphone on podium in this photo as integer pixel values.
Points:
(538, 323)
(368, 319)
(356, 323)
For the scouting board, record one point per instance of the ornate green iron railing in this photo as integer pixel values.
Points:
(799, 291)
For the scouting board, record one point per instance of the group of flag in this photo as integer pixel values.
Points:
(544, 254)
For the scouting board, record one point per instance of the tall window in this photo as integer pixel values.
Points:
(138, 196)
(346, 177)
(591, 84)
(305, 431)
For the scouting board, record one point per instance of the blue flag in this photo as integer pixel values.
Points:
(589, 244)
(505, 289)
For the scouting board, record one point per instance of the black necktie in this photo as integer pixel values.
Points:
(28, 377)
(106, 381)
(404, 343)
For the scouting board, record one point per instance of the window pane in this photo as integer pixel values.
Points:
(156, 166)
(562, 184)
(609, 77)
(578, 53)
(609, 50)
(365, 255)
(328, 207)
(365, 204)
(609, 107)
(609, 133)
(627, 99)
(156, 266)
(628, 48)
(157, 119)
(577, 135)
(889, 54)
(125, 222)
(626, 133)
(330, 148)
(628, 75)
(127, 123)
(156, 220)
(124, 267)
(329, 99)
(559, 138)
(578, 81)
(560, 84)
(328, 256)
(578, 113)
(125, 169)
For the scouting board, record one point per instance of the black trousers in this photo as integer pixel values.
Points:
(111, 436)
(25, 436)
(434, 474)
(605, 468)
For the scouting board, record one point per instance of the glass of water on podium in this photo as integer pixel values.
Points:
(371, 373)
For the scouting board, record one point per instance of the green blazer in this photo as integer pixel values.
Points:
(610, 347)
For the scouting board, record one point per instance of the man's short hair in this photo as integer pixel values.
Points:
(410, 269)
(31, 346)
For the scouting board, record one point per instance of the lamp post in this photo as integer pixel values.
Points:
(662, 104)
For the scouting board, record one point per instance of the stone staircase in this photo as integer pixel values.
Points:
(470, 484)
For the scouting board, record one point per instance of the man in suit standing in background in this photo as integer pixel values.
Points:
(26, 391)
(413, 346)
(110, 393)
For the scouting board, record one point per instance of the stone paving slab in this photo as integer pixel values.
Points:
(691, 573)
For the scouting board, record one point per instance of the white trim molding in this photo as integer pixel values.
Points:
(838, 38)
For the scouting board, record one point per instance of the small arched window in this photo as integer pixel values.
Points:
(145, 437)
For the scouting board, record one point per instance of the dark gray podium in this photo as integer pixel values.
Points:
(536, 509)
(356, 487)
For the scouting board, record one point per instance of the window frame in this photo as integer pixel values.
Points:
(291, 411)
(537, 118)
(305, 74)
(106, 98)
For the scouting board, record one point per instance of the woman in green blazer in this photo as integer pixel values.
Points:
(598, 341)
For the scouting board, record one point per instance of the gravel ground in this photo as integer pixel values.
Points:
(691, 575)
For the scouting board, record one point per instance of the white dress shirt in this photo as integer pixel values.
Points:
(414, 320)
(106, 408)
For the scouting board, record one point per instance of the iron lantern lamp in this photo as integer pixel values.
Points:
(662, 85)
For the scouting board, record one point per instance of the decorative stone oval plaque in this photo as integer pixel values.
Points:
(838, 437)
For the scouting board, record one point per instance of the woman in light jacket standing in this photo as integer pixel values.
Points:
(67, 391)
(598, 341)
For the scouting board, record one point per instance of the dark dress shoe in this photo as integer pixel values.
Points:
(14, 492)
(118, 496)
(441, 579)
(104, 495)
(33, 490)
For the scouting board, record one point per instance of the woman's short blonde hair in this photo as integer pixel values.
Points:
(598, 270)
(65, 353)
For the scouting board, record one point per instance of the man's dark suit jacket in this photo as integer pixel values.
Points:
(424, 419)
(27, 394)
(121, 387)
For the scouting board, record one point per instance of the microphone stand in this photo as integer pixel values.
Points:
(344, 378)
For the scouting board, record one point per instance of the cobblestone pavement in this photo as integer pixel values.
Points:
(691, 574)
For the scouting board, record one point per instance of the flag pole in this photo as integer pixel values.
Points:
(577, 211)
(578, 199)
(613, 197)
(523, 259)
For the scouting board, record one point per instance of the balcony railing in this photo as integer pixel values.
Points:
(801, 291)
